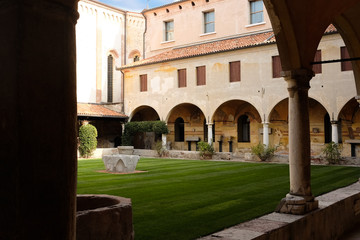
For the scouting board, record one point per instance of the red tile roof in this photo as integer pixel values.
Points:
(247, 41)
(96, 110)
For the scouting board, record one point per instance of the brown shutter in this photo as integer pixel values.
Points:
(276, 64)
(345, 66)
(235, 71)
(143, 83)
(201, 75)
(317, 68)
(182, 78)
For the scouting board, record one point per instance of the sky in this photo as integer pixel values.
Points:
(135, 5)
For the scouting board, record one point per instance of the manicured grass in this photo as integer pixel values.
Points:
(186, 199)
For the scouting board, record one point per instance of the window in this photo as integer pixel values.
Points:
(143, 83)
(182, 78)
(209, 22)
(235, 71)
(201, 75)
(110, 78)
(179, 130)
(169, 31)
(243, 125)
(345, 66)
(256, 11)
(136, 58)
(276, 66)
(317, 67)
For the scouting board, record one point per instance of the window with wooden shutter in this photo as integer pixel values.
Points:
(276, 66)
(143, 83)
(182, 78)
(201, 75)
(235, 71)
(345, 66)
(317, 68)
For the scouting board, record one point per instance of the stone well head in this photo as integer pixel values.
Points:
(103, 217)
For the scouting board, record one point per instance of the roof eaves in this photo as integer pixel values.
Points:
(197, 55)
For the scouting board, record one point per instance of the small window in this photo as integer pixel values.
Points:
(110, 76)
(276, 66)
(317, 67)
(182, 78)
(143, 83)
(169, 31)
(345, 66)
(256, 11)
(235, 71)
(201, 75)
(209, 22)
(136, 58)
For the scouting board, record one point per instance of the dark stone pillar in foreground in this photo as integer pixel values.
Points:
(37, 119)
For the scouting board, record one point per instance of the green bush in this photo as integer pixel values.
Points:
(205, 149)
(160, 149)
(87, 138)
(332, 153)
(262, 151)
(159, 127)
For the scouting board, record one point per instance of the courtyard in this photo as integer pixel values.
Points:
(187, 199)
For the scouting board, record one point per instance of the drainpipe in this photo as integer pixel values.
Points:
(125, 40)
(144, 35)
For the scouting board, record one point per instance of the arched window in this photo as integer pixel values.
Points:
(179, 130)
(136, 58)
(110, 78)
(327, 128)
(243, 125)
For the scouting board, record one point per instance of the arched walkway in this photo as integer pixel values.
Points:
(186, 125)
(144, 113)
(236, 125)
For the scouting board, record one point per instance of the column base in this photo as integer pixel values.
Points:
(297, 205)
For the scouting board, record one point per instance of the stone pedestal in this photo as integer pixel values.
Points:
(129, 150)
(120, 163)
(297, 205)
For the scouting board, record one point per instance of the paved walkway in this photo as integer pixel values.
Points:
(279, 226)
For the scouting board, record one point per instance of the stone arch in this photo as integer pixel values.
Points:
(279, 120)
(225, 125)
(144, 113)
(193, 118)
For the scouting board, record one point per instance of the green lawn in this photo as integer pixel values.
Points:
(186, 199)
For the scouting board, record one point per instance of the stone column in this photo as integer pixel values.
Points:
(300, 199)
(38, 119)
(266, 133)
(210, 133)
(163, 139)
(334, 132)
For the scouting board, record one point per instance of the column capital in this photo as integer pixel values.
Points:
(333, 122)
(298, 80)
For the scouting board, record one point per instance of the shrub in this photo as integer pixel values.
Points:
(332, 153)
(160, 149)
(205, 149)
(262, 151)
(159, 127)
(87, 138)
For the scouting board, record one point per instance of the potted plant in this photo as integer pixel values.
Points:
(206, 150)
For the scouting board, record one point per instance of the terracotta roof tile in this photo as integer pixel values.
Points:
(213, 47)
(96, 110)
